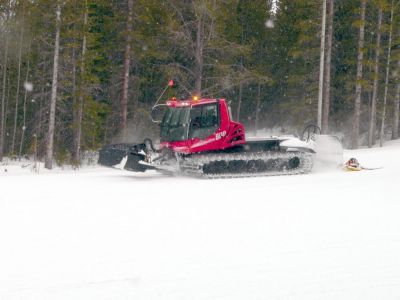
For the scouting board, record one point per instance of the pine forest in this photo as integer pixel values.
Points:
(79, 74)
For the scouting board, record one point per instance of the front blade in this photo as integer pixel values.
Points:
(112, 155)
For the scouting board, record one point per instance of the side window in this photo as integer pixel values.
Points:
(209, 116)
(204, 121)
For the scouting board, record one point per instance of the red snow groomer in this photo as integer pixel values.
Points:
(198, 137)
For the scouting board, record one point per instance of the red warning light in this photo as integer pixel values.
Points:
(171, 83)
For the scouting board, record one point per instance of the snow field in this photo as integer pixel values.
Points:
(109, 234)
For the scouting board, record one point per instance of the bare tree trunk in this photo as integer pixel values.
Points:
(74, 96)
(3, 100)
(39, 127)
(74, 90)
(239, 105)
(127, 62)
(79, 116)
(372, 119)
(357, 102)
(199, 60)
(24, 113)
(382, 133)
(50, 135)
(395, 134)
(258, 104)
(370, 70)
(6, 111)
(327, 70)
(17, 93)
(321, 64)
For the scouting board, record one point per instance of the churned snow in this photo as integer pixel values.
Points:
(100, 233)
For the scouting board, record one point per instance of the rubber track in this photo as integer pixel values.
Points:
(194, 164)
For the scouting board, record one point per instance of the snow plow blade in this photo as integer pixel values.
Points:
(126, 156)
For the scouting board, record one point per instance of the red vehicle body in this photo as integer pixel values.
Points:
(227, 132)
(198, 137)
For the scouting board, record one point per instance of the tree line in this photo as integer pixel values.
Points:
(78, 74)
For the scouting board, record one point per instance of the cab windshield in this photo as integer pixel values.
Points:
(174, 126)
(183, 123)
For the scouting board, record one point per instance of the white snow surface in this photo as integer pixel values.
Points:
(100, 233)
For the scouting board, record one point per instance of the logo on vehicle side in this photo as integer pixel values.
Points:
(220, 135)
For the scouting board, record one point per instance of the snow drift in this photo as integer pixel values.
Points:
(109, 234)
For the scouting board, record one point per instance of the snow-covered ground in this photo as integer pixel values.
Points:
(99, 233)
